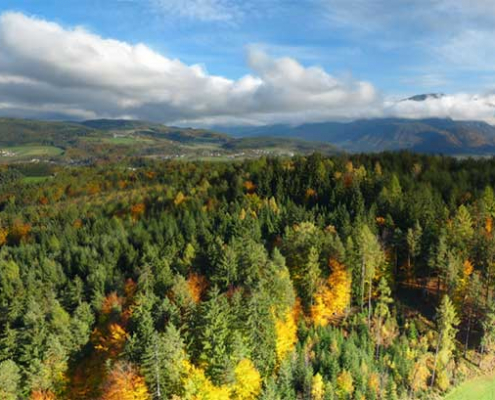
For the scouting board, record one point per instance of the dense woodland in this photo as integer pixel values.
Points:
(350, 277)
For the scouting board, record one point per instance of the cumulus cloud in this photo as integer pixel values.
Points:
(47, 70)
(457, 107)
(46, 66)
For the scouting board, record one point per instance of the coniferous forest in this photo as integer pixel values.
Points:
(345, 277)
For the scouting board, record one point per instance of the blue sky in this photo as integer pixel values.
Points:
(399, 48)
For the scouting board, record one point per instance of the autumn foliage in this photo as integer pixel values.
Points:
(123, 383)
(197, 285)
(333, 296)
(286, 328)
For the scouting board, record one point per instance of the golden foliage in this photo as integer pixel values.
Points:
(419, 375)
(112, 303)
(77, 223)
(380, 221)
(93, 188)
(42, 395)
(317, 388)
(333, 296)
(3, 236)
(179, 199)
(110, 341)
(123, 383)
(247, 381)
(137, 210)
(150, 174)
(249, 186)
(197, 284)
(345, 384)
(272, 203)
(286, 329)
(310, 194)
(20, 231)
(331, 229)
(374, 382)
(197, 386)
(468, 268)
(489, 225)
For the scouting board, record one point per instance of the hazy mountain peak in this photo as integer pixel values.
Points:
(425, 96)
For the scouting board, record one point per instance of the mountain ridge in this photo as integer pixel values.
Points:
(430, 135)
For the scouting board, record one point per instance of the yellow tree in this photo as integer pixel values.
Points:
(197, 386)
(286, 330)
(247, 381)
(334, 296)
(317, 388)
(345, 384)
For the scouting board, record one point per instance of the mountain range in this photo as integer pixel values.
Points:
(22, 139)
(434, 135)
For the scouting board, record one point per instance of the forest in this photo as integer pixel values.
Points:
(367, 276)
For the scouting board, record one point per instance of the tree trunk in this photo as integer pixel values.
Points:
(436, 360)
(467, 334)
(369, 303)
(157, 373)
(362, 284)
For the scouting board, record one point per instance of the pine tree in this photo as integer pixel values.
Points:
(213, 333)
(413, 239)
(164, 353)
(383, 326)
(10, 379)
(446, 328)
(371, 258)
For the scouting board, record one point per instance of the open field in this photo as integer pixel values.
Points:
(35, 179)
(27, 151)
(482, 388)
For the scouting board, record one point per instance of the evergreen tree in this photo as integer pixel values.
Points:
(371, 258)
(446, 328)
(160, 362)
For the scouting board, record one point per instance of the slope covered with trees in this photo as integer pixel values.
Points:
(363, 277)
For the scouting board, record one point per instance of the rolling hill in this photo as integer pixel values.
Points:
(22, 139)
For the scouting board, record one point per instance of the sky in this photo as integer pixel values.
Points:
(230, 62)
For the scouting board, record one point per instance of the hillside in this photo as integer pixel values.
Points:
(425, 135)
(87, 141)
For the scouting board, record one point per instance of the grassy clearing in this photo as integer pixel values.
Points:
(120, 140)
(482, 388)
(35, 179)
(19, 152)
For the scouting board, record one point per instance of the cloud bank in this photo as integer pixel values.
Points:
(47, 70)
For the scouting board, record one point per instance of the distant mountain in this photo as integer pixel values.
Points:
(374, 135)
(427, 96)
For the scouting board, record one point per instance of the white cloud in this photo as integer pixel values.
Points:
(47, 70)
(458, 107)
(47, 66)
